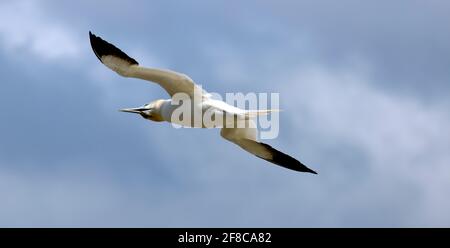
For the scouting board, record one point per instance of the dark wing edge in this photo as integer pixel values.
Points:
(283, 159)
(104, 48)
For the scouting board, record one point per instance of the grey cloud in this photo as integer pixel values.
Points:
(68, 158)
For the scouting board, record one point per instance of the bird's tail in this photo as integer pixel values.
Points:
(255, 113)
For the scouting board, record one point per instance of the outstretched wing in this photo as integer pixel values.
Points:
(246, 139)
(124, 65)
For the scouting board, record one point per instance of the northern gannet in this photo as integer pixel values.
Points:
(174, 83)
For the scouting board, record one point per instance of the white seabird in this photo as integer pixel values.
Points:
(173, 83)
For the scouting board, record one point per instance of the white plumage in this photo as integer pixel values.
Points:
(174, 83)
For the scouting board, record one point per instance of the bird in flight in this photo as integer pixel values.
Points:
(175, 83)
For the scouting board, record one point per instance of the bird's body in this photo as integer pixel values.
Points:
(191, 106)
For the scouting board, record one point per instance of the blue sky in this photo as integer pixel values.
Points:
(364, 86)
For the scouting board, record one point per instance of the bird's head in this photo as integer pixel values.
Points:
(150, 111)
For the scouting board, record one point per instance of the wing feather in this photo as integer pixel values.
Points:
(246, 139)
(118, 61)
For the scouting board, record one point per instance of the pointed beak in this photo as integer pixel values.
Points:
(134, 110)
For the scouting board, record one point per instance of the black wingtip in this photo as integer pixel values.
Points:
(104, 48)
(92, 39)
(301, 168)
(286, 161)
(311, 171)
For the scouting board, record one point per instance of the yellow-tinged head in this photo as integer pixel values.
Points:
(150, 111)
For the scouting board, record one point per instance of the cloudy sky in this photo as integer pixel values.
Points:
(364, 85)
